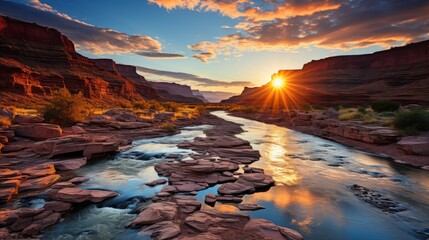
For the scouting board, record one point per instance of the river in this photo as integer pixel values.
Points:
(311, 195)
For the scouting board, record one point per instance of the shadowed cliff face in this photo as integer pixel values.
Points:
(401, 74)
(36, 60)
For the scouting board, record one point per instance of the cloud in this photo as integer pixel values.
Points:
(170, 4)
(288, 25)
(89, 38)
(198, 80)
(160, 55)
(204, 56)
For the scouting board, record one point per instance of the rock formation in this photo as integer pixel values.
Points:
(176, 92)
(400, 74)
(36, 60)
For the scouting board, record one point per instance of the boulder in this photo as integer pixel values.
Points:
(38, 131)
(162, 230)
(77, 130)
(235, 189)
(267, 229)
(156, 212)
(415, 145)
(157, 182)
(71, 164)
(57, 206)
(18, 119)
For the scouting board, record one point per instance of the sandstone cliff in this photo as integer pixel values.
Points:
(36, 60)
(175, 92)
(400, 74)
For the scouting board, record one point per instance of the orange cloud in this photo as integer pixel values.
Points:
(170, 4)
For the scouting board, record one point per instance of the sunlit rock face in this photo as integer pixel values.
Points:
(37, 60)
(401, 74)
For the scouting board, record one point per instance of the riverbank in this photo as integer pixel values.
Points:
(38, 159)
(389, 151)
(39, 163)
(216, 160)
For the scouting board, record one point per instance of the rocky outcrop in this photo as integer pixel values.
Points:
(176, 92)
(37, 60)
(400, 74)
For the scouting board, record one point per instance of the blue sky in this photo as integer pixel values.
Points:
(255, 44)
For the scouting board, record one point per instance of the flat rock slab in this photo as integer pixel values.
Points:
(415, 145)
(235, 188)
(71, 164)
(269, 230)
(249, 207)
(78, 195)
(39, 183)
(156, 212)
(39, 131)
(157, 182)
(39, 170)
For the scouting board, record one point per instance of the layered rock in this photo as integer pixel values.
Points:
(37, 60)
(176, 92)
(400, 74)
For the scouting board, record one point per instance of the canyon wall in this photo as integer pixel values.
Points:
(36, 60)
(400, 74)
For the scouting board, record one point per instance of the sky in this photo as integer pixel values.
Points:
(225, 45)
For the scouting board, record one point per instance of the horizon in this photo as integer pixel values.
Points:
(221, 45)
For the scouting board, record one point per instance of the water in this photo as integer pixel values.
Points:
(311, 194)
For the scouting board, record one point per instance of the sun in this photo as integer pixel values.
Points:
(278, 82)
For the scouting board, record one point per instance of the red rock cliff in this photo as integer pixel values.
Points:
(36, 60)
(400, 74)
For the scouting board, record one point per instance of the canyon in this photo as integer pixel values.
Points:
(36, 60)
(400, 74)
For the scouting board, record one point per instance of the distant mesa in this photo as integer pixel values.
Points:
(36, 60)
(400, 74)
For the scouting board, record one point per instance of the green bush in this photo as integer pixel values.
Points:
(362, 109)
(412, 121)
(385, 106)
(65, 108)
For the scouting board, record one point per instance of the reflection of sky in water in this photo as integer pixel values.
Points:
(311, 195)
(127, 175)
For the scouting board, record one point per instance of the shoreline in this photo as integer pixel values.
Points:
(389, 151)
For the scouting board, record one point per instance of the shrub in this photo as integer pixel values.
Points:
(155, 105)
(169, 127)
(65, 108)
(200, 110)
(4, 121)
(369, 118)
(122, 103)
(141, 105)
(412, 121)
(385, 106)
(362, 109)
(171, 106)
(350, 116)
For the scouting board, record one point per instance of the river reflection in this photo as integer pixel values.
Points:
(312, 175)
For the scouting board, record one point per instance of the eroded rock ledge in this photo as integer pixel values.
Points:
(217, 159)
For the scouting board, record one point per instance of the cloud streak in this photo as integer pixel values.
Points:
(160, 55)
(198, 80)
